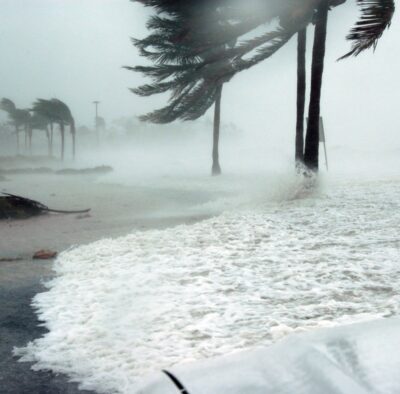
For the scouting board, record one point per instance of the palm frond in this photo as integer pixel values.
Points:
(376, 17)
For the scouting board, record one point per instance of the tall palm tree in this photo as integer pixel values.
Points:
(317, 69)
(375, 19)
(216, 168)
(174, 57)
(301, 95)
(200, 54)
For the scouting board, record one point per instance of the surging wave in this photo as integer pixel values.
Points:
(119, 309)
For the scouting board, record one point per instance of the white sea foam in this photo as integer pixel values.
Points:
(119, 309)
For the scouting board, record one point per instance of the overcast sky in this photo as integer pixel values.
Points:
(74, 50)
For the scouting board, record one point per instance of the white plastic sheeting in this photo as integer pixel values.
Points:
(354, 359)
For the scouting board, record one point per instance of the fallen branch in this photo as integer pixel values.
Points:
(17, 207)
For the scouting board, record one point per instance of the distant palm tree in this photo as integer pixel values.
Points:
(39, 122)
(19, 118)
(57, 112)
(64, 116)
(45, 110)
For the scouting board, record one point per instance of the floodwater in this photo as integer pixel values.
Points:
(275, 259)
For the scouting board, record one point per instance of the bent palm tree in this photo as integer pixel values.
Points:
(45, 110)
(39, 122)
(56, 111)
(196, 80)
(64, 116)
(18, 118)
(179, 59)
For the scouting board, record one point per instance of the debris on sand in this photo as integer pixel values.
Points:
(17, 207)
(44, 254)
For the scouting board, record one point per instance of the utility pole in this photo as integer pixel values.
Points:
(96, 121)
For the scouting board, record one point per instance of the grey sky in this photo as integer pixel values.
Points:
(74, 50)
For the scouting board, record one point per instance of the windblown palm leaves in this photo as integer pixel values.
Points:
(376, 17)
(187, 61)
(192, 61)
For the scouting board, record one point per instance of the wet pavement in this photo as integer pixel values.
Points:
(19, 325)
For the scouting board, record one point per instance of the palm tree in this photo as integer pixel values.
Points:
(18, 118)
(39, 122)
(201, 61)
(317, 68)
(166, 36)
(216, 168)
(196, 81)
(64, 117)
(375, 19)
(301, 95)
(56, 111)
(44, 109)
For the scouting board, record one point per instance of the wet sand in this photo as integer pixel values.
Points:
(115, 210)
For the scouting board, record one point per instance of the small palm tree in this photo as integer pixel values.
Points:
(65, 118)
(45, 110)
(39, 122)
(57, 112)
(19, 118)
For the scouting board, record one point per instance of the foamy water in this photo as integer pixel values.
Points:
(120, 309)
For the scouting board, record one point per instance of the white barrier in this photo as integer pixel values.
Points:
(355, 359)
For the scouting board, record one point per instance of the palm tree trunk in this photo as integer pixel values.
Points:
(26, 140)
(301, 95)
(48, 141)
(216, 168)
(17, 135)
(62, 140)
(73, 133)
(30, 140)
(51, 139)
(312, 138)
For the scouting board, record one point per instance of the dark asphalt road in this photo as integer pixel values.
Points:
(18, 326)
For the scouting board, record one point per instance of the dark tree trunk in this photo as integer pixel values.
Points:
(301, 95)
(26, 140)
(216, 168)
(51, 139)
(48, 141)
(62, 128)
(30, 131)
(17, 135)
(73, 133)
(312, 138)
